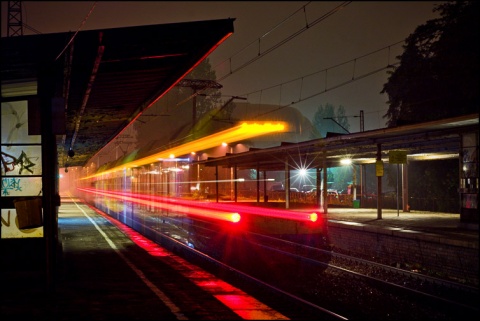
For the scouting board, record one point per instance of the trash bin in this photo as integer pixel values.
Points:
(356, 203)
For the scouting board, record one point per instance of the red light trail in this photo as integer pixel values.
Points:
(227, 212)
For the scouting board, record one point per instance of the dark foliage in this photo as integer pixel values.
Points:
(434, 184)
(438, 75)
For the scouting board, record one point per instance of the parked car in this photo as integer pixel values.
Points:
(308, 188)
(277, 188)
(313, 190)
(332, 192)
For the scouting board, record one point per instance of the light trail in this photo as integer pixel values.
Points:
(181, 208)
(183, 205)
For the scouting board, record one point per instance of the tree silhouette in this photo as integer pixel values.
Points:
(208, 98)
(438, 75)
(327, 119)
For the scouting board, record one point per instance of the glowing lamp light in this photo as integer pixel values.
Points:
(346, 161)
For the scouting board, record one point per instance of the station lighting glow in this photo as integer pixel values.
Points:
(303, 172)
(240, 132)
(428, 156)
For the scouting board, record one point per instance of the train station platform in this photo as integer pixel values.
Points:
(108, 271)
(434, 244)
(446, 226)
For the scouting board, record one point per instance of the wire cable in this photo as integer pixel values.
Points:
(81, 25)
(284, 41)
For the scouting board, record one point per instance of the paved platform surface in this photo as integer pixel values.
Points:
(110, 272)
(445, 225)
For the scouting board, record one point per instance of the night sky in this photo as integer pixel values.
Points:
(339, 59)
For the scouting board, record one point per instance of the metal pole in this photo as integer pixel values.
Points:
(287, 185)
(258, 184)
(235, 184)
(216, 183)
(398, 192)
(379, 184)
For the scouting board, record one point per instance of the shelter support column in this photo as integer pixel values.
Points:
(235, 186)
(362, 184)
(469, 179)
(324, 185)
(379, 174)
(265, 196)
(216, 183)
(287, 184)
(406, 206)
(319, 179)
(258, 183)
(50, 193)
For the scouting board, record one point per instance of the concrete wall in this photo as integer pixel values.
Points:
(432, 254)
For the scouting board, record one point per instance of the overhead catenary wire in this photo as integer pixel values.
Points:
(325, 70)
(274, 47)
(287, 39)
(388, 65)
(81, 25)
(324, 91)
(258, 40)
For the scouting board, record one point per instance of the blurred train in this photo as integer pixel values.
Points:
(170, 199)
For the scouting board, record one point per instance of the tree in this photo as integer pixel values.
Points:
(438, 75)
(180, 98)
(435, 182)
(209, 98)
(326, 120)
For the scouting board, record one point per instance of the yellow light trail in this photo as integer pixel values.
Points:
(240, 132)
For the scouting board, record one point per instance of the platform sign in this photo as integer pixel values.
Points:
(379, 168)
(397, 157)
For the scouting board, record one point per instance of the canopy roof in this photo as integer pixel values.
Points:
(107, 77)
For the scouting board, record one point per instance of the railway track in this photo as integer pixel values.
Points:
(322, 280)
(452, 291)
